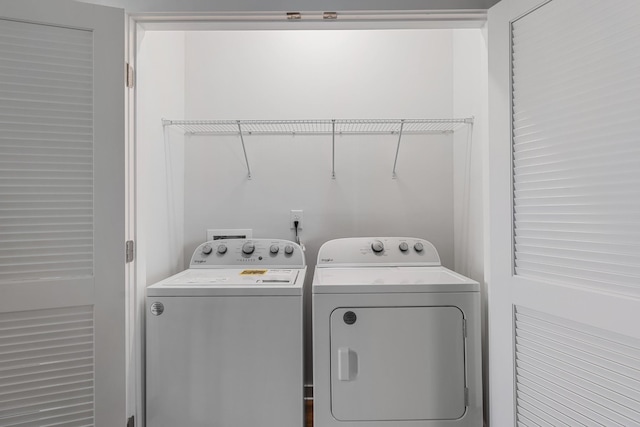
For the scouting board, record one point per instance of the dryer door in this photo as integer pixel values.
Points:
(397, 363)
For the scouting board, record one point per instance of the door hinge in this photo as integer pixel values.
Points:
(129, 75)
(129, 250)
(131, 422)
(466, 396)
(464, 328)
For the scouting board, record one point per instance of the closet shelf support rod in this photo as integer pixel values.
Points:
(393, 174)
(244, 150)
(333, 149)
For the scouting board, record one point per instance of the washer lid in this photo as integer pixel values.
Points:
(351, 280)
(231, 282)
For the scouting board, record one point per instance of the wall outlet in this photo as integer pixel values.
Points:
(295, 215)
(228, 233)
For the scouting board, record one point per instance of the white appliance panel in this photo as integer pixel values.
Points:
(224, 338)
(377, 251)
(231, 282)
(397, 363)
(409, 355)
(225, 361)
(390, 279)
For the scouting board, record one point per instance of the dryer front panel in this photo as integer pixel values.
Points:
(397, 363)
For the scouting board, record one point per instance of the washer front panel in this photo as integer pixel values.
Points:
(224, 361)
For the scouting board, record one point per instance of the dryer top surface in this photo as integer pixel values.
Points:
(390, 280)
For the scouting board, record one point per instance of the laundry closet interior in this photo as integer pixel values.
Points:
(330, 100)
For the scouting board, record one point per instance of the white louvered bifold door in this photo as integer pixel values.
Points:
(565, 213)
(62, 317)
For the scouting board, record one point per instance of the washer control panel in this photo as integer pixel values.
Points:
(256, 252)
(357, 251)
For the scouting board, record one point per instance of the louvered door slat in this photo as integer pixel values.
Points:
(576, 144)
(591, 373)
(46, 366)
(46, 149)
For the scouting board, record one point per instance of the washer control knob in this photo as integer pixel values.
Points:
(274, 249)
(207, 249)
(377, 246)
(404, 247)
(248, 248)
(418, 247)
(222, 249)
(288, 249)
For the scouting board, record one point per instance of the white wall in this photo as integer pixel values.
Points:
(316, 74)
(275, 75)
(160, 178)
(470, 98)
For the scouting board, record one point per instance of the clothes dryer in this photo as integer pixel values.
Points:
(396, 337)
(224, 338)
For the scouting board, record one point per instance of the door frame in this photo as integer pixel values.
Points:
(233, 21)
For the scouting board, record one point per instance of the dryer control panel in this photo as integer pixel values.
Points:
(250, 252)
(380, 251)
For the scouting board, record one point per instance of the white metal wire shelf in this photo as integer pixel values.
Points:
(318, 127)
(333, 127)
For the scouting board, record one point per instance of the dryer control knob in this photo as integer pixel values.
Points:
(222, 249)
(377, 246)
(274, 249)
(207, 249)
(288, 249)
(248, 248)
(404, 247)
(418, 247)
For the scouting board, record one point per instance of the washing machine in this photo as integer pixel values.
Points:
(396, 337)
(224, 338)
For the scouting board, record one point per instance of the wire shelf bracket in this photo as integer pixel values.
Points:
(395, 162)
(244, 150)
(333, 127)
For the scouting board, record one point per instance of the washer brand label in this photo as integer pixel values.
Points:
(157, 308)
(326, 259)
(199, 261)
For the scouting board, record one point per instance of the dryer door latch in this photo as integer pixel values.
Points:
(347, 364)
